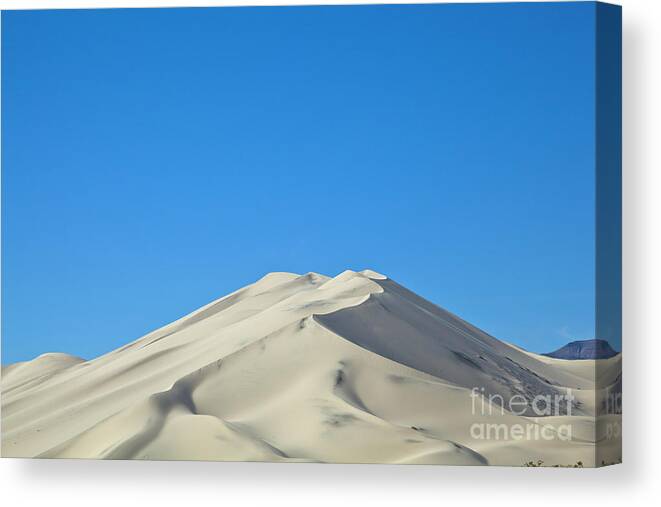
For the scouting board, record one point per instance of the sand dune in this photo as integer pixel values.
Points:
(354, 368)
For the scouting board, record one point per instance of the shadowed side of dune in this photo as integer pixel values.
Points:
(404, 327)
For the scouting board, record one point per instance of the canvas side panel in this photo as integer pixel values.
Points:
(609, 230)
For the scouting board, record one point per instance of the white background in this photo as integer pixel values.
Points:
(638, 480)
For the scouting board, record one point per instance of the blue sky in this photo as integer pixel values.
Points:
(154, 160)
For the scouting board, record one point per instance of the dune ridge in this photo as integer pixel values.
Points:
(354, 368)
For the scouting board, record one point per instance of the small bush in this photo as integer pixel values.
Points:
(540, 463)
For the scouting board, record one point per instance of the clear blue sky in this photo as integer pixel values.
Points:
(154, 160)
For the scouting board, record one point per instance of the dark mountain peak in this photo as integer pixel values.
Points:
(584, 349)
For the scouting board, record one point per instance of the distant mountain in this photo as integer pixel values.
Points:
(584, 349)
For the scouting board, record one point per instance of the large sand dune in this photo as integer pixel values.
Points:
(354, 368)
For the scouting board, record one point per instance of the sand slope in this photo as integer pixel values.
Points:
(354, 368)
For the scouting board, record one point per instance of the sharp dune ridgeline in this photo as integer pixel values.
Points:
(351, 369)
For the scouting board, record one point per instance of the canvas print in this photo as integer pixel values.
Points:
(333, 234)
